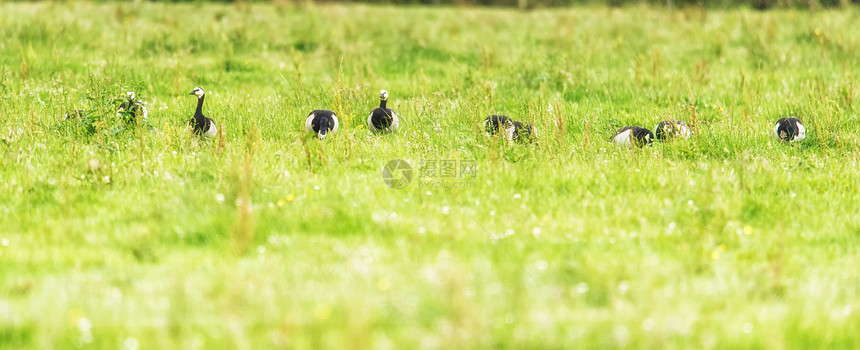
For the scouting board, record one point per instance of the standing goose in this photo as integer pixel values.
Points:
(632, 136)
(321, 122)
(130, 109)
(669, 129)
(789, 129)
(382, 118)
(496, 123)
(199, 124)
(519, 132)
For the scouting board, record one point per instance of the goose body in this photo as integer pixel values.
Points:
(629, 136)
(78, 113)
(321, 122)
(383, 119)
(131, 109)
(496, 123)
(789, 129)
(519, 132)
(669, 129)
(200, 124)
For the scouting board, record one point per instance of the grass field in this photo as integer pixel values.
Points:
(268, 238)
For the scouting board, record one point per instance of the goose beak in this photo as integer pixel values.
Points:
(191, 93)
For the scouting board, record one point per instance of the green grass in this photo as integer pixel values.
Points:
(268, 238)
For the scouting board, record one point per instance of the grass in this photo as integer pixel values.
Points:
(267, 238)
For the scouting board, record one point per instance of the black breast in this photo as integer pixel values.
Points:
(320, 115)
(381, 118)
(787, 128)
(494, 123)
(642, 135)
(132, 111)
(199, 124)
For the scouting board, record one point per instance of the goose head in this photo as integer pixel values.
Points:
(197, 91)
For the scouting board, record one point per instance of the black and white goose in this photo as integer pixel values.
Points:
(496, 123)
(383, 119)
(200, 124)
(321, 122)
(789, 129)
(78, 113)
(669, 129)
(519, 132)
(131, 109)
(629, 136)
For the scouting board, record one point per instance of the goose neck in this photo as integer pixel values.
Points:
(199, 111)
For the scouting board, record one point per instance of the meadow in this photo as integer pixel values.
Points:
(266, 237)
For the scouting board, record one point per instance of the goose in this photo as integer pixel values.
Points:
(496, 123)
(669, 129)
(519, 132)
(78, 113)
(633, 135)
(789, 129)
(130, 109)
(321, 122)
(382, 118)
(199, 124)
